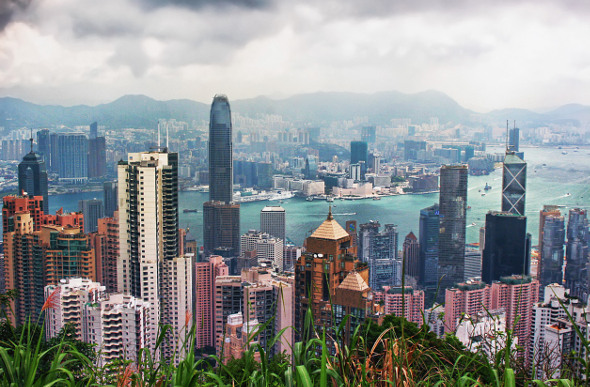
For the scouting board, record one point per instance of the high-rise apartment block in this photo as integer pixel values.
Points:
(205, 275)
(272, 221)
(467, 298)
(267, 248)
(403, 302)
(513, 184)
(116, 323)
(257, 294)
(453, 211)
(150, 265)
(106, 247)
(221, 217)
(515, 294)
(32, 177)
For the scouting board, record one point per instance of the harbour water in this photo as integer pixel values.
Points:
(552, 178)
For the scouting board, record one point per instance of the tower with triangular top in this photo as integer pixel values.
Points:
(329, 258)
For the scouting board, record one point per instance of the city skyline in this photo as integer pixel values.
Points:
(486, 56)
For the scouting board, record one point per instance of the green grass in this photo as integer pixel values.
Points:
(395, 353)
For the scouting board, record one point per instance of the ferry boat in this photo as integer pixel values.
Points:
(190, 210)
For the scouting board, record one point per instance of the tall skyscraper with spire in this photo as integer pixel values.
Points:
(513, 184)
(32, 177)
(221, 217)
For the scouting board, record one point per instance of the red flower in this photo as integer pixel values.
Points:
(51, 301)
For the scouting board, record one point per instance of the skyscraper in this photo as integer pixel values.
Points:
(514, 139)
(552, 252)
(507, 246)
(220, 151)
(379, 251)
(72, 157)
(576, 270)
(359, 154)
(369, 134)
(93, 210)
(93, 130)
(412, 256)
(320, 270)
(96, 157)
(513, 184)
(221, 217)
(150, 265)
(205, 274)
(44, 146)
(272, 221)
(453, 211)
(546, 211)
(429, 230)
(32, 177)
(109, 189)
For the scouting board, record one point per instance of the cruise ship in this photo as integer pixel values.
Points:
(250, 195)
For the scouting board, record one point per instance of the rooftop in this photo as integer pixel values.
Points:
(330, 229)
(354, 281)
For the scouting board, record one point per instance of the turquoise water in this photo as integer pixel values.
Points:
(547, 184)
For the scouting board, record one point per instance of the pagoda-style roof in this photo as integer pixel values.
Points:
(411, 236)
(330, 229)
(354, 281)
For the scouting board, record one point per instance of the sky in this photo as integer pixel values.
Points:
(485, 54)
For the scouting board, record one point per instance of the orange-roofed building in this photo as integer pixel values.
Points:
(330, 256)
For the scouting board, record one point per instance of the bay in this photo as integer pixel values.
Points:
(552, 178)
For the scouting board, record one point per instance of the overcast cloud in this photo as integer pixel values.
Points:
(485, 54)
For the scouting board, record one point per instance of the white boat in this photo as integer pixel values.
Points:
(330, 199)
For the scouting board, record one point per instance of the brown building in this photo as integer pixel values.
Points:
(411, 256)
(40, 250)
(329, 258)
(106, 247)
(353, 298)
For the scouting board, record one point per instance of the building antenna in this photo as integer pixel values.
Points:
(158, 145)
(31, 140)
(507, 135)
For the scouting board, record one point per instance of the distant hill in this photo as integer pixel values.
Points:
(139, 111)
(130, 111)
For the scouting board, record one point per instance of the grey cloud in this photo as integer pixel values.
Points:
(200, 4)
(131, 55)
(385, 8)
(8, 8)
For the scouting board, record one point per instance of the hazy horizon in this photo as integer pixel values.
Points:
(486, 56)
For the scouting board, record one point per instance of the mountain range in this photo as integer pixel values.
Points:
(137, 111)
